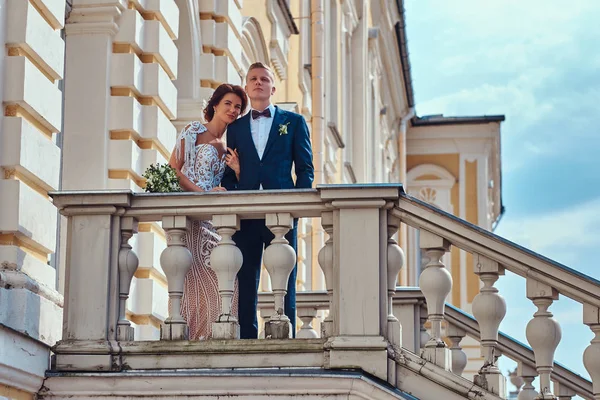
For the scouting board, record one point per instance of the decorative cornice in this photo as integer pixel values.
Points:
(97, 19)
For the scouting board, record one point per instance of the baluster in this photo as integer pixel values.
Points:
(306, 315)
(516, 381)
(265, 314)
(591, 355)
(128, 263)
(226, 261)
(279, 260)
(175, 260)
(528, 374)
(423, 334)
(395, 261)
(325, 258)
(459, 358)
(436, 283)
(543, 333)
(563, 392)
(489, 308)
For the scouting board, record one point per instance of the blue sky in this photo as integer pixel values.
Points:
(538, 63)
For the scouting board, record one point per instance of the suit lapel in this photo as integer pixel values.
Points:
(278, 119)
(247, 129)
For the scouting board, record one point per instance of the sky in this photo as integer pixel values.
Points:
(538, 63)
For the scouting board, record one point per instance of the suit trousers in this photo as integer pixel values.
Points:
(251, 239)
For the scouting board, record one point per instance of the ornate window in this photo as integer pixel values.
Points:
(431, 184)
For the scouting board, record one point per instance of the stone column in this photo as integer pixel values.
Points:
(543, 333)
(92, 282)
(563, 392)
(128, 263)
(489, 308)
(90, 29)
(279, 259)
(307, 314)
(459, 358)
(591, 355)
(395, 261)
(528, 374)
(226, 260)
(436, 283)
(356, 290)
(175, 261)
(326, 263)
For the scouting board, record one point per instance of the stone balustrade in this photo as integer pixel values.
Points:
(492, 255)
(369, 319)
(101, 265)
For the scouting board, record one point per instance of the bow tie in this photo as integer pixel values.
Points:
(257, 114)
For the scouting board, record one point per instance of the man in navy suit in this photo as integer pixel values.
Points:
(264, 144)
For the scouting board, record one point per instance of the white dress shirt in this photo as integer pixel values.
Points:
(260, 129)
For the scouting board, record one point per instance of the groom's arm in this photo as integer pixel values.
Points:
(230, 181)
(302, 153)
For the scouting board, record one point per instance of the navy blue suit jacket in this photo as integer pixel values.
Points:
(274, 170)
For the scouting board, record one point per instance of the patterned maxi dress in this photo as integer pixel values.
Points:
(201, 303)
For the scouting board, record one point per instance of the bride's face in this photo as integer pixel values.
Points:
(229, 108)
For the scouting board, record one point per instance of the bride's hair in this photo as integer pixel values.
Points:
(217, 96)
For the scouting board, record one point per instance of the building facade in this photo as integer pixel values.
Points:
(94, 91)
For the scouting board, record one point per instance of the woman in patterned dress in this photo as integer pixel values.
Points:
(199, 158)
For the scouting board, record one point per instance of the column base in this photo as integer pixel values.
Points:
(394, 332)
(326, 329)
(368, 353)
(225, 330)
(440, 356)
(174, 331)
(278, 329)
(125, 333)
(492, 382)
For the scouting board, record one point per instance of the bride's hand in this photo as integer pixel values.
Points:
(218, 189)
(233, 160)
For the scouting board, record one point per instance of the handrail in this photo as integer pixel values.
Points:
(521, 261)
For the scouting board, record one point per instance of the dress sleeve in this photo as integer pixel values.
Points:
(188, 137)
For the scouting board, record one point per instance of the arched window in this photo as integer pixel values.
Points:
(431, 184)
(253, 43)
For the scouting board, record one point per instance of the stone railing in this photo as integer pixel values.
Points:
(492, 256)
(101, 264)
(360, 261)
(410, 308)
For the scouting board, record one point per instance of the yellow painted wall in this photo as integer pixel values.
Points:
(450, 162)
(471, 216)
(12, 393)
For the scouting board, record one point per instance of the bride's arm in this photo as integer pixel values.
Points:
(177, 164)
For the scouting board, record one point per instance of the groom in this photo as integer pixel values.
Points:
(267, 141)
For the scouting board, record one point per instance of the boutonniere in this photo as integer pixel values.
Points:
(283, 129)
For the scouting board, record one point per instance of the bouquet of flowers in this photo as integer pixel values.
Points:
(161, 178)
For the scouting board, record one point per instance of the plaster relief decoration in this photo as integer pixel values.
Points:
(253, 43)
(283, 26)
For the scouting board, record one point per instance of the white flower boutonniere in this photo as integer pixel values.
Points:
(283, 129)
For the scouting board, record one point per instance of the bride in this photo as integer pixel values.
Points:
(199, 158)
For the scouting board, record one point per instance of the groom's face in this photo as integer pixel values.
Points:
(259, 84)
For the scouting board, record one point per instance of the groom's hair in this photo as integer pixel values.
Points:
(258, 65)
